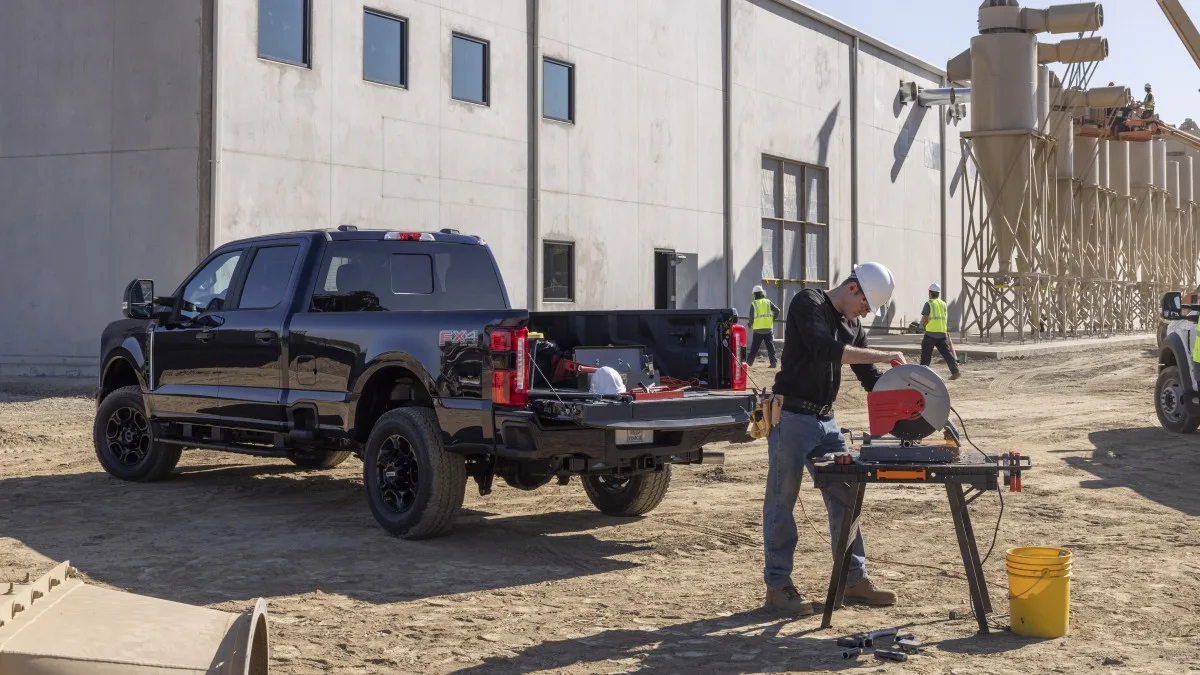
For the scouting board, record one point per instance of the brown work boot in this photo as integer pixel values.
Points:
(790, 601)
(866, 593)
(955, 376)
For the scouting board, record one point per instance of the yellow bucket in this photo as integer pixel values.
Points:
(1039, 591)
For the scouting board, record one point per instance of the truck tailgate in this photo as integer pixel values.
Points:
(703, 410)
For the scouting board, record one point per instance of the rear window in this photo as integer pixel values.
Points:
(387, 276)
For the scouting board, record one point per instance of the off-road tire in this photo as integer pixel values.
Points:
(408, 439)
(637, 496)
(1169, 402)
(121, 411)
(316, 459)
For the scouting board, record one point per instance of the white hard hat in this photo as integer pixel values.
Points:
(1147, 85)
(758, 289)
(606, 380)
(876, 283)
(935, 288)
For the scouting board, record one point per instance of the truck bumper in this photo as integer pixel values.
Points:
(521, 435)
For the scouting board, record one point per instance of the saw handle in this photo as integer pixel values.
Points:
(896, 364)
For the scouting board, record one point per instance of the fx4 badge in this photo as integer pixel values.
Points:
(465, 338)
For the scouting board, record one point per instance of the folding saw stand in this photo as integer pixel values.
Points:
(964, 482)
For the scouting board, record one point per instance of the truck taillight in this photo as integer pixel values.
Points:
(510, 385)
(737, 342)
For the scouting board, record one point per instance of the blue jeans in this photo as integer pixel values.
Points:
(792, 445)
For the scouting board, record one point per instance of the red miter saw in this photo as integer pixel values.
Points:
(908, 404)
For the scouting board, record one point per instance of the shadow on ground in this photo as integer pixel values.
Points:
(233, 532)
(746, 642)
(1157, 464)
(740, 643)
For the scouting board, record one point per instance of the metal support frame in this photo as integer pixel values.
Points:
(1124, 288)
(1148, 225)
(959, 493)
(1193, 247)
(981, 603)
(1180, 247)
(841, 563)
(1097, 310)
(1161, 276)
(997, 302)
(1065, 243)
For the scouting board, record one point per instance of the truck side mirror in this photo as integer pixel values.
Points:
(139, 299)
(1172, 307)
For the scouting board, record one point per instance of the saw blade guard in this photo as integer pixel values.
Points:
(909, 402)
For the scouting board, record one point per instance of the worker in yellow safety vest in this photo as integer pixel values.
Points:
(934, 320)
(1148, 103)
(763, 314)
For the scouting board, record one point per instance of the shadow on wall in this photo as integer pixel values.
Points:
(713, 273)
(744, 281)
(956, 178)
(907, 135)
(954, 314)
(885, 318)
(826, 133)
(888, 317)
(746, 278)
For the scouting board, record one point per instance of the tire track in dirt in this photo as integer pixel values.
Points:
(731, 538)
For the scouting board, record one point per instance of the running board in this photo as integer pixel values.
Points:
(254, 450)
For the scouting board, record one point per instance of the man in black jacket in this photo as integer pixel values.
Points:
(822, 333)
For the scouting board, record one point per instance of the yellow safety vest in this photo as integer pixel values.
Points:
(1196, 348)
(1149, 104)
(764, 319)
(937, 317)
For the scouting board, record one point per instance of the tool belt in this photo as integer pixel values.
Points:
(769, 408)
(798, 405)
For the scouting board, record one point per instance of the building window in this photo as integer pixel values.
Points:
(558, 91)
(558, 271)
(795, 229)
(385, 45)
(469, 70)
(283, 31)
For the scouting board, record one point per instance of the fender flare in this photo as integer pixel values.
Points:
(129, 352)
(389, 360)
(1174, 345)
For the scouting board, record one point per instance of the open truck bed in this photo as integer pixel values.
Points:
(695, 353)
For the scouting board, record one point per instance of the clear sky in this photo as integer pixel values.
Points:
(1141, 43)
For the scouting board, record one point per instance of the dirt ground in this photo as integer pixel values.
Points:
(540, 582)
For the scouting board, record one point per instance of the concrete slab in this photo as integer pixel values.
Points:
(973, 349)
(910, 345)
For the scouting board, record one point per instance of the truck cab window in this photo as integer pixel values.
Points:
(267, 281)
(390, 276)
(207, 290)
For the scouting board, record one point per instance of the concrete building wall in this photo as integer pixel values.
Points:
(101, 169)
(640, 168)
(319, 146)
(900, 181)
(105, 143)
(792, 100)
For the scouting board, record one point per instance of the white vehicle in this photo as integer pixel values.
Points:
(1177, 393)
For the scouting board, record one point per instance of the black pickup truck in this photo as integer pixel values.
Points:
(402, 349)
